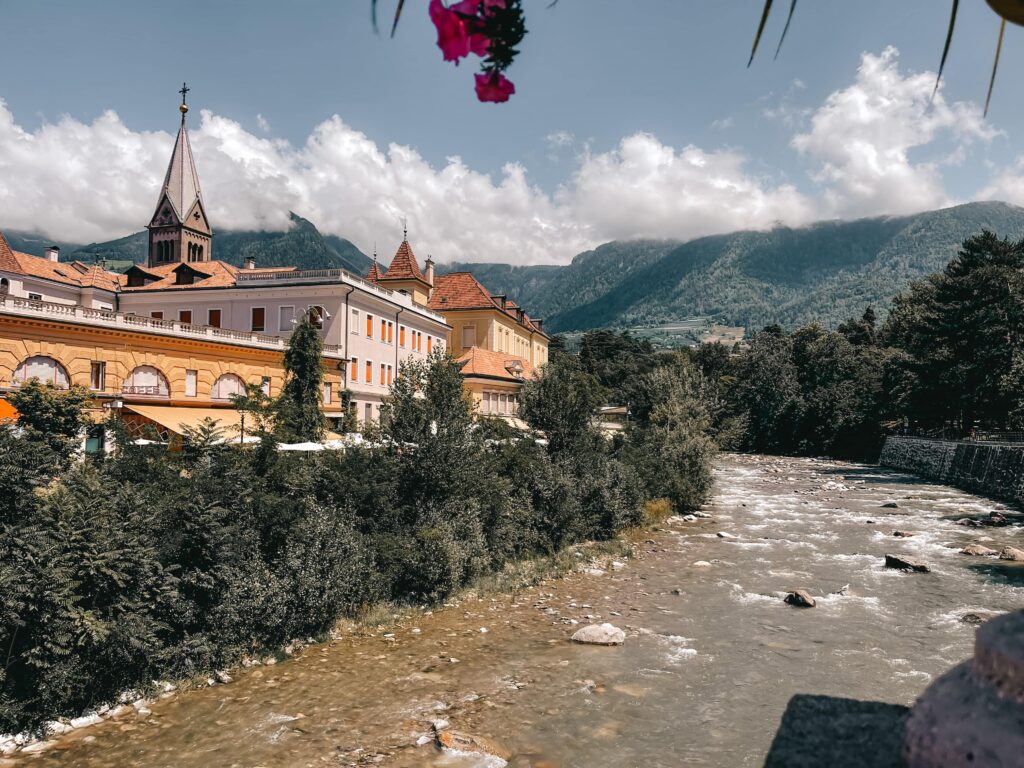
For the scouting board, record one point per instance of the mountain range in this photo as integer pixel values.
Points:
(827, 272)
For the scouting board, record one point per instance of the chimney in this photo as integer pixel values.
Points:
(52, 253)
(250, 263)
(430, 270)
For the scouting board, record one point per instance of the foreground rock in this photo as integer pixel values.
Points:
(977, 618)
(906, 563)
(600, 634)
(972, 715)
(468, 743)
(902, 534)
(800, 598)
(1013, 554)
(978, 550)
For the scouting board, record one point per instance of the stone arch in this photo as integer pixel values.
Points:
(226, 385)
(146, 380)
(43, 367)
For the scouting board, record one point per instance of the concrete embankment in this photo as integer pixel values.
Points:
(990, 469)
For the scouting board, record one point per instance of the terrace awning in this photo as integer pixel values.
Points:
(179, 419)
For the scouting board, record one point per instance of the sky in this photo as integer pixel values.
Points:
(630, 119)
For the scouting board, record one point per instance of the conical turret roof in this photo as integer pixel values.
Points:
(181, 184)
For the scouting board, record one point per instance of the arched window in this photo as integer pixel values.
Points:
(44, 368)
(226, 385)
(5, 286)
(146, 380)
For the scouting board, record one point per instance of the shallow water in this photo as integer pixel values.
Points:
(704, 675)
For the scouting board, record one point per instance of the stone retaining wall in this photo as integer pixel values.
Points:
(988, 469)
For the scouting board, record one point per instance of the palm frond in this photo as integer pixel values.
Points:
(945, 48)
(398, 13)
(760, 29)
(995, 66)
(785, 29)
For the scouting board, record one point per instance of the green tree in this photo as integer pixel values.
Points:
(298, 416)
(561, 402)
(58, 415)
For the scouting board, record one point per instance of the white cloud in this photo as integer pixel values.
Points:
(1007, 185)
(261, 121)
(94, 181)
(860, 139)
(645, 188)
(86, 182)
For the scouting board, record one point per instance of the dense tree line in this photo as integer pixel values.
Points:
(949, 359)
(146, 564)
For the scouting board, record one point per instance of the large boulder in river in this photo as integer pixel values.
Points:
(1013, 554)
(800, 598)
(906, 563)
(600, 634)
(978, 550)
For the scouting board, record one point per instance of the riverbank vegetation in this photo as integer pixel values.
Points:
(146, 564)
(947, 360)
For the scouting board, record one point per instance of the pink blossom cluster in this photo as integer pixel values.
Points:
(460, 33)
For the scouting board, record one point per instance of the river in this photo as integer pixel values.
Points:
(711, 658)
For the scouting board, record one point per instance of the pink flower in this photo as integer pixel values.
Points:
(452, 31)
(493, 86)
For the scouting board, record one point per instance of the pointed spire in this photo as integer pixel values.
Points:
(181, 184)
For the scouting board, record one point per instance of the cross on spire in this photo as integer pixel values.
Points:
(184, 90)
(405, 229)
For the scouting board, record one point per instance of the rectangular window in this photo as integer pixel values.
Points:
(316, 315)
(401, 336)
(259, 319)
(97, 375)
(328, 388)
(430, 342)
(157, 315)
(355, 322)
(213, 318)
(185, 316)
(468, 336)
(191, 383)
(389, 375)
(383, 374)
(369, 372)
(35, 297)
(353, 370)
(265, 385)
(391, 332)
(368, 413)
(383, 330)
(285, 315)
(369, 326)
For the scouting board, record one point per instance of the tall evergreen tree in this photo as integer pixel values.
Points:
(297, 410)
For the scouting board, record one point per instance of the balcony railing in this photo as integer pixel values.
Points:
(300, 276)
(15, 305)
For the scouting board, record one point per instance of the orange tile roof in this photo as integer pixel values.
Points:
(74, 273)
(495, 365)
(374, 273)
(404, 266)
(461, 290)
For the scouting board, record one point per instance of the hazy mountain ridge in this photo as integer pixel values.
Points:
(303, 246)
(826, 272)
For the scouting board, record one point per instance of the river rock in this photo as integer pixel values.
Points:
(995, 518)
(978, 617)
(467, 742)
(726, 535)
(1013, 554)
(600, 634)
(902, 534)
(978, 550)
(906, 563)
(968, 521)
(800, 598)
(890, 505)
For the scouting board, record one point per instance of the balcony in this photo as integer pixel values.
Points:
(103, 318)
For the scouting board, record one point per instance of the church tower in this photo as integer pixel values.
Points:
(179, 230)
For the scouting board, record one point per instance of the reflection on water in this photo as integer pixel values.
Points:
(712, 656)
